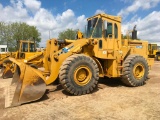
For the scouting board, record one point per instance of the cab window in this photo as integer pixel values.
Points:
(108, 29)
(115, 31)
(98, 29)
(100, 44)
(32, 49)
(25, 47)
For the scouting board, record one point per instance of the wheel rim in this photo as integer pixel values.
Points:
(138, 71)
(82, 75)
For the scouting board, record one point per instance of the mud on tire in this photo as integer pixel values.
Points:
(79, 74)
(135, 71)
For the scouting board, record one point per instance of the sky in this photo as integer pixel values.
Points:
(54, 16)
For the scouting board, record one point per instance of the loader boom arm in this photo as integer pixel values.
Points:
(29, 84)
(58, 57)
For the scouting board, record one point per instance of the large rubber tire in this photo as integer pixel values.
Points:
(70, 73)
(135, 71)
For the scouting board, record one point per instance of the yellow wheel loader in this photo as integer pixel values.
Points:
(3, 53)
(26, 53)
(78, 64)
(153, 51)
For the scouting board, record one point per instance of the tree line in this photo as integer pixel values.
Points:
(12, 33)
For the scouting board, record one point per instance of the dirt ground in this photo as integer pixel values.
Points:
(112, 100)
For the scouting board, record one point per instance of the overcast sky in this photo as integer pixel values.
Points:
(58, 15)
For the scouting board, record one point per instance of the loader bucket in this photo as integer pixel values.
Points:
(27, 85)
(6, 72)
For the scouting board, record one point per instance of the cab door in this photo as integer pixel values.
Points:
(22, 50)
(109, 39)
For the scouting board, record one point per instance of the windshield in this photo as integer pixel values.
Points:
(32, 47)
(25, 47)
(93, 30)
(154, 47)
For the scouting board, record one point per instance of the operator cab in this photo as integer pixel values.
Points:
(106, 30)
(26, 48)
(103, 25)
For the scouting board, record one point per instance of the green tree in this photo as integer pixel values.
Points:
(12, 33)
(129, 37)
(2, 27)
(124, 37)
(22, 31)
(68, 34)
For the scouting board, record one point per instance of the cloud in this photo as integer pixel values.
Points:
(43, 19)
(58, 23)
(136, 5)
(148, 27)
(99, 11)
(32, 5)
(15, 12)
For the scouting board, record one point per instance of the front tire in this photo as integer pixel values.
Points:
(79, 74)
(135, 71)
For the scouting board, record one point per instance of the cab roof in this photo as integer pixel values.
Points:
(107, 16)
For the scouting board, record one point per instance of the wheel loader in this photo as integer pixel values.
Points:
(3, 53)
(26, 53)
(153, 51)
(78, 64)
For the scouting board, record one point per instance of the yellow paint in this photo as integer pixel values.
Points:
(82, 75)
(138, 71)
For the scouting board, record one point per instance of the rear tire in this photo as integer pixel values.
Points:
(135, 71)
(79, 74)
